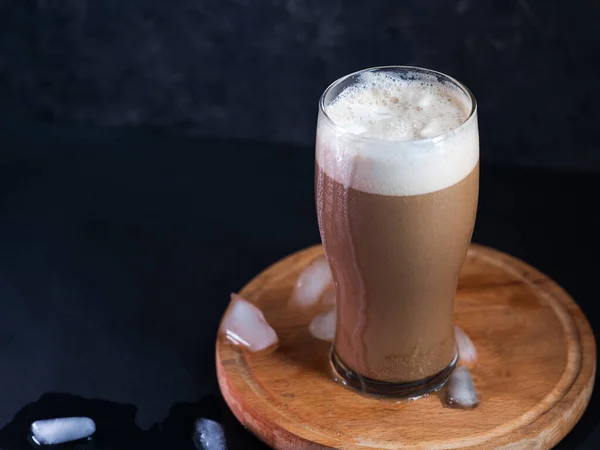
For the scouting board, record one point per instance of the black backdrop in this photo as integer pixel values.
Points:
(255, 69)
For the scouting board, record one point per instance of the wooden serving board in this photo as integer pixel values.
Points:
(534, 373)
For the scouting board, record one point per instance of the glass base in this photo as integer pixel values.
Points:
(365, 385)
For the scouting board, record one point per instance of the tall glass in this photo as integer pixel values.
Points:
(396, 216)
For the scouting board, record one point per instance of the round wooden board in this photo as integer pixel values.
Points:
(534, 374)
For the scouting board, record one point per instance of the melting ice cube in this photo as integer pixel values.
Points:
(209, 435)
(461, 389)
(245, 324)
(61, 430)
(323, 326)
(466, 350)
(312, 283)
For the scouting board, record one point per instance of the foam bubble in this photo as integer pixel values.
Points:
(385, 106)
(384, 138)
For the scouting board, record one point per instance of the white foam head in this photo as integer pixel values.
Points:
(398, 133)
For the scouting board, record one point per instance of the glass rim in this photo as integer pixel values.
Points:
(441, 137)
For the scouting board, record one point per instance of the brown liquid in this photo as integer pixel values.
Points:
(395, 262)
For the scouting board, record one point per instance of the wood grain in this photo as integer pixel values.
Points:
(534, 374)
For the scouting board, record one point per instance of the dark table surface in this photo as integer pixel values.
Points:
(119, 250)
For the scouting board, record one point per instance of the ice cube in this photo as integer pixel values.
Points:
(209, 435)
(61, 430)
(466, 350)
(245, 324)
(461, 389)
(323, 326)
(312, 283)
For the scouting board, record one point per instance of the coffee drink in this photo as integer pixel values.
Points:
(397, 179)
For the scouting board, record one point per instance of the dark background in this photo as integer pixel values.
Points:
(154, 156)
(255, 69)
